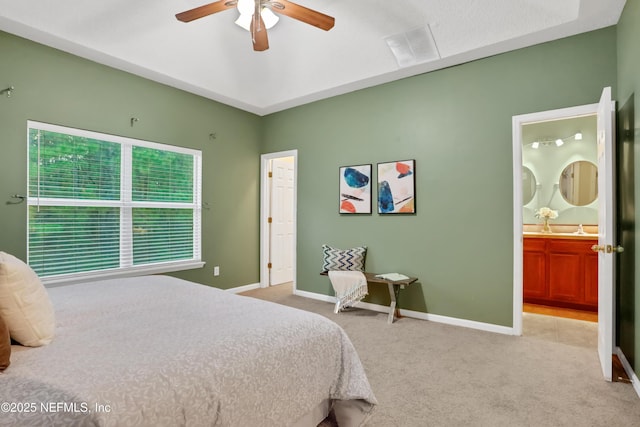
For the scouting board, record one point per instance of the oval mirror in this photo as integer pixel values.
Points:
(528, 185)
(579, 183)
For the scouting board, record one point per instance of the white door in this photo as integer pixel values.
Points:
(282, 220)
(606, 232)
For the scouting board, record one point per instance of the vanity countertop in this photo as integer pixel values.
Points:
(562, 231)
(576, 236)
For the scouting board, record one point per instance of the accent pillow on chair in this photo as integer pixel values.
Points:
(343, 259)
(24, 303)
(5, 346)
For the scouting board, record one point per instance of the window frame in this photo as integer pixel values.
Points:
(126, 206)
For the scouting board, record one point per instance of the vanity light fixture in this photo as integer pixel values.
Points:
(559, 142)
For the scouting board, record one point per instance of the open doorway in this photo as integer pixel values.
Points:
(560, 279)
(278, 218)
(607, 246)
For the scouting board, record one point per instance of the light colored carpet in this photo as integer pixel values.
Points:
(429, 374)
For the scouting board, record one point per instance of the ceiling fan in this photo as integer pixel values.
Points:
(253, 16)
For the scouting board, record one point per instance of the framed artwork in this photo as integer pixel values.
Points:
(397, 187)
(355, 189)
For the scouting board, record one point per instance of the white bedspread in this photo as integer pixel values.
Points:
(159, 351)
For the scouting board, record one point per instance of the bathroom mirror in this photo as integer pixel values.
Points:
(579, 183)
(528, 185)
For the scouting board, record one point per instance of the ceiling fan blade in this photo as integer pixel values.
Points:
(259, 35)
(206, 10)
(301, 13)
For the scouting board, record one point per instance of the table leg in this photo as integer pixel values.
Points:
(392, 306)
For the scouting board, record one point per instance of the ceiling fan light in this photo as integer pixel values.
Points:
(270, 19)
(244, 21)
(246, 7)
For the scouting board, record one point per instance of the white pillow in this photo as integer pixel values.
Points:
(24, 303)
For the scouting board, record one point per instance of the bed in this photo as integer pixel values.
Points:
(160, 351)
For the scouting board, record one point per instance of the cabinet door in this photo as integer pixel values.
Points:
(565, 277)
(534, 276)
(566, 271)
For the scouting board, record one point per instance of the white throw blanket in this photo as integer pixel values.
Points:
(349, 286)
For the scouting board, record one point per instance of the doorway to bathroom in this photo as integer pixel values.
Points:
(560, 283)
(557, 218)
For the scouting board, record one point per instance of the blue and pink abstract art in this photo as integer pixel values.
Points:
(396, 187)
(355, 189)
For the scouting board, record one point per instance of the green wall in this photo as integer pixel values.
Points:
(55, 87)
(456, 124)
(628, 32)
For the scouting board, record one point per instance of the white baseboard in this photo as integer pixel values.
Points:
(244, 288)
(627, 368)
(465, 323)
(489, 327)
(313, 295)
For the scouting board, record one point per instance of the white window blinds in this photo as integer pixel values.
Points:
(100, 204)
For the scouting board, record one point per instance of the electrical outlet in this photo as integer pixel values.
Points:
(216, 270)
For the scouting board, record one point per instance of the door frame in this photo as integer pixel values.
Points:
(264, 213)
(517, 123)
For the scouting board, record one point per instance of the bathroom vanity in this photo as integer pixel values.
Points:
(560, 269)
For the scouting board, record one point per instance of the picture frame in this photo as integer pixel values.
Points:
(354, 196)
(397, 187)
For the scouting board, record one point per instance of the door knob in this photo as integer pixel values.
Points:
(607, 249)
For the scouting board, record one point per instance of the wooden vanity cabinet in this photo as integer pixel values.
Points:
(560, 272)
(534, 267)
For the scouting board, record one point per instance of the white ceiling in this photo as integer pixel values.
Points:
(213, 57)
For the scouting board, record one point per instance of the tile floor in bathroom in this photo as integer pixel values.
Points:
(572, 327)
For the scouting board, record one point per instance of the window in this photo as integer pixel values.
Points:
(102, 205)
